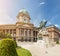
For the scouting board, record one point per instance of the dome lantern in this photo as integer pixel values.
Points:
(23, 16)
(23, 12)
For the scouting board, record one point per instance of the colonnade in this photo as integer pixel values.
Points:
(27, 34)
(22, 33)
(10, 31)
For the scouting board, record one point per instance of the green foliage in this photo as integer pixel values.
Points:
(7, 47)
(7, 35)
(57, 42)
(23, 52)
(15, 44)
(3, 35)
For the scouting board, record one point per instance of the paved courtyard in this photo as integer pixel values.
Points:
(40, 49)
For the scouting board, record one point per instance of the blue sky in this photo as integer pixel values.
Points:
(38, 10)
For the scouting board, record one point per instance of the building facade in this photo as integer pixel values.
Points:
(24, 30)
(53, 33)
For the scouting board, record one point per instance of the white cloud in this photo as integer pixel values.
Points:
(56, 25)
(5, 18)
(42, 3)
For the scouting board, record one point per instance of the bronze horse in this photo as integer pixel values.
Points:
(42, 24)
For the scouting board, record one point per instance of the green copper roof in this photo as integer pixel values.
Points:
(24, 11)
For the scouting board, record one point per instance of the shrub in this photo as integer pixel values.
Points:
(7, 47)
(15, 43)
(23, 52)
(3, 35)
(57, 42)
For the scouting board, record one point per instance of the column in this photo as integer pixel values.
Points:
(31, 33)
(53, 36)
(12, 32)
(9, 31)
(17, 32)
(20, 33)
(28, 32)
(5, 31)
(35, 35)
(24, 32)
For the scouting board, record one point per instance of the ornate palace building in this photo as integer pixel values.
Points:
(53, 33)
(24, 30)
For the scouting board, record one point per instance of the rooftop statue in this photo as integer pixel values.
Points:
(42, 24)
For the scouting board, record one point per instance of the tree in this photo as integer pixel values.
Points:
(3, 35)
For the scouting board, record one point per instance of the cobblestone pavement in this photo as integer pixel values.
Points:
(41, 50)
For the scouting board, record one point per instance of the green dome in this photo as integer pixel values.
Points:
(24, 11)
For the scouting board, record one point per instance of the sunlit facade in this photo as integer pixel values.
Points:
(24, 30)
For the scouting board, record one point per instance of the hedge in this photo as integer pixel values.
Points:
(8, 47)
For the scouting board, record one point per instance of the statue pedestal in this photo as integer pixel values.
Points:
(41, 43)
